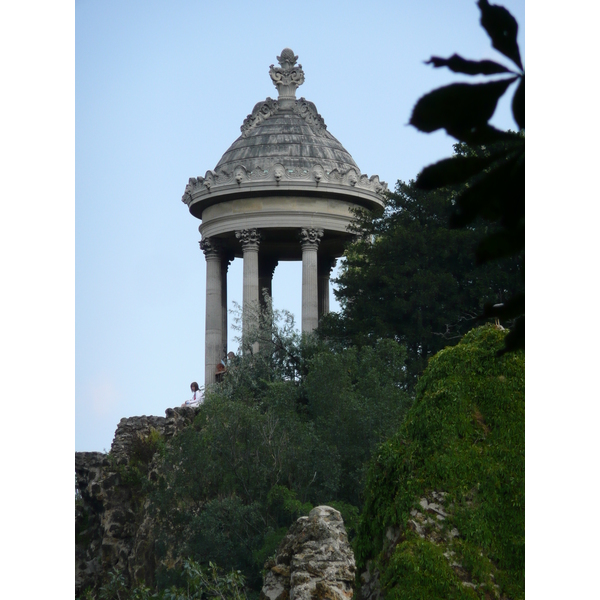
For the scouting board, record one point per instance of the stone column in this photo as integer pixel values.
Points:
(309, 239)
(250, 240)
(326, 265)
(266, 268)
(214, 318)
(225, 261)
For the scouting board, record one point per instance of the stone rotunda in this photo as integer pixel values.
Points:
(284, 190)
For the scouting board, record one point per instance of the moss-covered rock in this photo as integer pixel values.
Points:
(445, 502)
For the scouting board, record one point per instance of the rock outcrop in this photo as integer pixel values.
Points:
(130, 430)
(110, 524)
(314, 561)
(428, 524)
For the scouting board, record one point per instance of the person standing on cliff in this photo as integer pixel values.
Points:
(197, 397)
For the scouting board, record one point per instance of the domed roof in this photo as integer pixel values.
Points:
(285, 148)
(296, 136)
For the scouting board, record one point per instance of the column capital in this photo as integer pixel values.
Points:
(310, 238)
(228, 257)
(266, 267)
(211, 247)
(326, 265)
(249, 238)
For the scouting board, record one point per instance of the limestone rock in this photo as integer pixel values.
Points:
(112, 527)
(314, 560)
(130, 428)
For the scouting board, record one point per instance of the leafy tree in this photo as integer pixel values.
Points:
(355, 400)
(197, 582)
(268, 444)
(412, 278)
(271, 350)
(496, 178)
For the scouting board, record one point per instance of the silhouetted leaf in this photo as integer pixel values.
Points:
(502, 28)
(518, 104)
(506, 242)
(483, 135)
(512, 308)
(515, 340)
(451, 171)
(462, 109)
(470, 67)
(500, 195)
(495, 188)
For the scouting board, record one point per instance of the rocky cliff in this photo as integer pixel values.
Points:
(114, 530)
(111, 527)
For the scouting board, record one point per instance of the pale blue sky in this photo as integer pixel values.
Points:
(161, 91)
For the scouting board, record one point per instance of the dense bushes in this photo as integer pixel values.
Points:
(464, 436)
(197, 581)
(338, 428)
(292, 426)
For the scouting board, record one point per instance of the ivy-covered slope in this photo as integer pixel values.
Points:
(445, 511)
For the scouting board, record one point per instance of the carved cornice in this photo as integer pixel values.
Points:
(287, 78)
(249, 238)
(310, 238)
(260, 112)
(308, 111)
(278, 173)
(269, 107)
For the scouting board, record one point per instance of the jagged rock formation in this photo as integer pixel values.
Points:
(112, 530)
(314, 560)
(129, 430)
(428, 524)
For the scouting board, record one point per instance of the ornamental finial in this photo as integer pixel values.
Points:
(287, 78)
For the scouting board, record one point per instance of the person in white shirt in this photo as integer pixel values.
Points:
(197, 398)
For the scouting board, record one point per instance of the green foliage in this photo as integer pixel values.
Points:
(271, 350)
(115, 587)
(349, 515)
(284, 506)
(418, 569)
(141, 592)
(213, 582)
(496, 181)
(269, 444)
(197, 582)
(271, 541)
(356, 399)
(413, 279)
(464, 435)
(144, 447)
